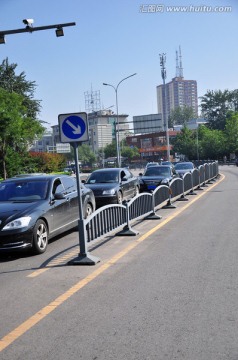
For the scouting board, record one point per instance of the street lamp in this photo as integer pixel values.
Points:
(163, 74)
(117, 123)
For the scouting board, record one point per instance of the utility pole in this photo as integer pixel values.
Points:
(163, 74)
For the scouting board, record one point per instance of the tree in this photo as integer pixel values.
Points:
(185, 143)
(231, 134)
(47, 162)
(86, 155)
(18, 84)
(181, 115)
(110, 150)
(216, 105)
(19, 125)
(129, 152)
(17, 129)
(211, 143)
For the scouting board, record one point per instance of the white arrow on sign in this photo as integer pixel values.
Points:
(76, 129)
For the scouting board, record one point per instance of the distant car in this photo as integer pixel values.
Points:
(155, 176)
(29, 174)
(112, 185)
(34, 209)
(183, 167)
(169, 163)
(149, 164)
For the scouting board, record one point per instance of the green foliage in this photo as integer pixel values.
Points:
(211, 143)
(204, 143)
(216, 105)
(18, 84)
(86, 155)
(47, 162)
(181, 115)
(33, 162)
(129, 152)
(231, 133)
(126, 151)
(110, 150)
(185, 143)
(19, 125)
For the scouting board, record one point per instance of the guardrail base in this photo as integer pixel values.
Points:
(192, 193)
(127, 231)
(86, 259)
(182, 198)
(153, 216)
(169, 206)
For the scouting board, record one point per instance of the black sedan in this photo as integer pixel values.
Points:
(183, 167)
(155, 176)
(112, 185)
(33, 209)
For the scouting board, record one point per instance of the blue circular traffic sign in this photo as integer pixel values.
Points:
(73, 127)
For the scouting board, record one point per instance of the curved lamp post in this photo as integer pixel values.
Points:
(117, 123)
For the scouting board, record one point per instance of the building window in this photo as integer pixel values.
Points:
(159, 141)
(146, 143)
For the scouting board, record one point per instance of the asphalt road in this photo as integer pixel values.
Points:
(170, 292)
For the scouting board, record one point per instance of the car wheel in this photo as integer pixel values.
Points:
(40, 237)
(136, 191)
(119, 197)
(88, 210)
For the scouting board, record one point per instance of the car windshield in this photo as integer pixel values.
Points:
(184, 166)
(151, 164)
(158, 171)
(103, 177)
(24, 190)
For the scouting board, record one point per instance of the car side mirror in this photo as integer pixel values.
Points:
(124, 178)
(59, 196)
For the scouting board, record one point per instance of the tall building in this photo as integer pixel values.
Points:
(102, 126)
(177, 93)
(144, 124)
(44, 144)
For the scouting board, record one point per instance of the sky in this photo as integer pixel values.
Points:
(114, 39)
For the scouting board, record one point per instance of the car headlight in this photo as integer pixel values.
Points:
(165, 181)
(109, 192)
(18, 223)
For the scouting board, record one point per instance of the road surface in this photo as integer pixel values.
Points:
(168, 293)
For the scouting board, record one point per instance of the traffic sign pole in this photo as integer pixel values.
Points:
(74, 129)
(84, 257)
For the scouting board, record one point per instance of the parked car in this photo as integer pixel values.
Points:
(34, 209)
(149, 164)
(169, 163)
(183, 167)
(155, 176)
(112, 185)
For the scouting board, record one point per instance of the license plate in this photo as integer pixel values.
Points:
(151, 187)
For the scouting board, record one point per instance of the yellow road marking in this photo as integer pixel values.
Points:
(37, 317)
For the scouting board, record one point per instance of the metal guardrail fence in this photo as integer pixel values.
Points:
(110, 218)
